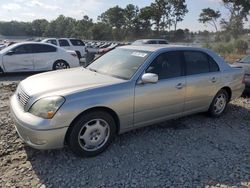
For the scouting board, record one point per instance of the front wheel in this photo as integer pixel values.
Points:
(219, 104)
(58, 65)
(92, 133)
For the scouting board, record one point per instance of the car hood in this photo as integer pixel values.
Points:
(64, 82)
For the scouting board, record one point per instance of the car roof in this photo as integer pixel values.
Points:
(40, 43)
(153, 48)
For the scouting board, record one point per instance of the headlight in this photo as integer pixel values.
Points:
(47, 107)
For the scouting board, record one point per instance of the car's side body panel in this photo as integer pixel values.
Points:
(18, 62)
(158, 101)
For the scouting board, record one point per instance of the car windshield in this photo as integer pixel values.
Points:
(245, 59)
(120, 63)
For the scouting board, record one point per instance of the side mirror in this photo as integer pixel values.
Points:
(10, 53)
(149, 78)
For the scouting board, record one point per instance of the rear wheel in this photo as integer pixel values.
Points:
(219, 104)
(92, 133)
(58, 65)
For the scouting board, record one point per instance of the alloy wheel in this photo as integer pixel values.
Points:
(94, 134)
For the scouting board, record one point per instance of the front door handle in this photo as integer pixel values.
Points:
(213, 79)
(179, 86)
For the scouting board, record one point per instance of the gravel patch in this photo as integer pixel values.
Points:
(194, 151)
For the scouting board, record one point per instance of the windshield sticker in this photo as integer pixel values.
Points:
(139, 54)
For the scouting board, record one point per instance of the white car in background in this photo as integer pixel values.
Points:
(73, 44)
(36, 56)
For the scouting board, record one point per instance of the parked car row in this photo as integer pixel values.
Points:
(61, 53)
(102, 47)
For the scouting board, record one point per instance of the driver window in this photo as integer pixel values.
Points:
(167, 65)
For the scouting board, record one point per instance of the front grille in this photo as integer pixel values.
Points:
(22, 97)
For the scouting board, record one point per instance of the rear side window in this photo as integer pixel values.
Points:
(63, 42)
(23, 49)
(196, 62)
(43, 48)
(52, 42)
(76, 42)
(151, 42)
(167, 65)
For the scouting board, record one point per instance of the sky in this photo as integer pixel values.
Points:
(28, 10)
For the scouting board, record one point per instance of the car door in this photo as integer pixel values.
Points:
(64, 44)
(165, 99)
(203, 78)
(44, 56)
(19, 59)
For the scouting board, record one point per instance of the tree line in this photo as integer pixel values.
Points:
(160, 19)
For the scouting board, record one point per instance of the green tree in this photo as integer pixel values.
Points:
(101, 31)
(239, 11)
(179, 11)
(145, 18)
(39, 27)
(113, 16)
(158, 10)
(131, 20)
(210, 16)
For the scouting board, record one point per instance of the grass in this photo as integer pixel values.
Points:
(231, 58)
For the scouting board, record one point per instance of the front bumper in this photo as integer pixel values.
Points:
(34, 137)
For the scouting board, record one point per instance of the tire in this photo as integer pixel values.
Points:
(91, 134)
(58, 65)
(78, 54)
(219, 104)
(1, 71)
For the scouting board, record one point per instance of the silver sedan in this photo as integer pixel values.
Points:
(127, 88)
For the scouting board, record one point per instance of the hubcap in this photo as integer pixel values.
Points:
(220, 103)
(94, 134)
(61, 65)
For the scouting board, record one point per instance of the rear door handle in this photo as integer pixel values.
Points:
(179, 86)
(213, 79)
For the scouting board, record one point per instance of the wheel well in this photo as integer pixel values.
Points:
(78, 54)
(229, 91)
(105, 109)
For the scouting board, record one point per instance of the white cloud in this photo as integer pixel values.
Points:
(11, 7)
